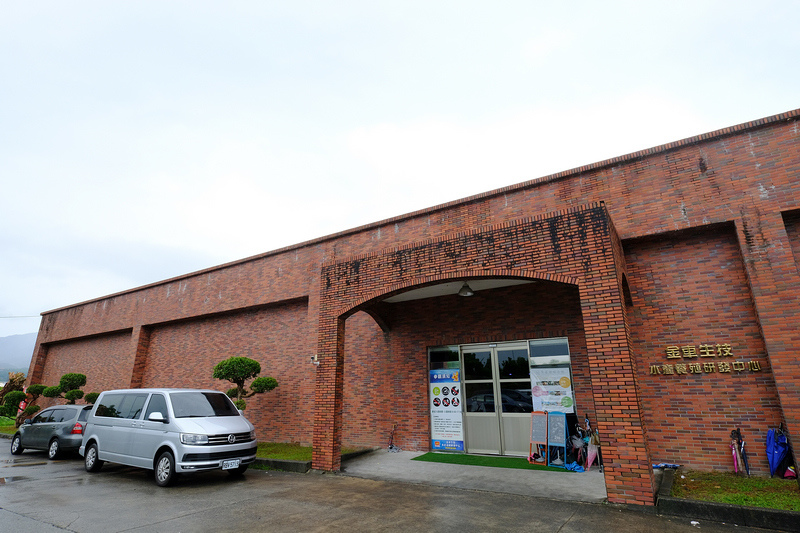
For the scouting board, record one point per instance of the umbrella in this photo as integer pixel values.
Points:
(737, 457)
(742, 452)
(777, 448)
(577, 448)
(591, 452)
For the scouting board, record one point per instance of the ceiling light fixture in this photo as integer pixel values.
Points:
(465, 290)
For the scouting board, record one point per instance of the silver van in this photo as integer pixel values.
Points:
(168, 431)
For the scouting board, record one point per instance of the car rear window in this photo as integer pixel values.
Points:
(121, 405)
(68, 415)
(201, 404)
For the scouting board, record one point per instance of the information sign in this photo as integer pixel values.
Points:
(538, 435)
(556, 439)
(552, 389)
(447, 428)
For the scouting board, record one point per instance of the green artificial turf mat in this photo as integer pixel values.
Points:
(485, 460)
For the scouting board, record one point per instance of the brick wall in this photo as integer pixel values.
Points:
(690, 290)
(183, 354)
(105, 360)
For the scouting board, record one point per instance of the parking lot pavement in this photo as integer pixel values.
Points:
(37, 495)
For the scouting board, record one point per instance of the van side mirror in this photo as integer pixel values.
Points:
(26, 421)
(157, 417)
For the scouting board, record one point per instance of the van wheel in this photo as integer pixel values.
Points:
(165, 469)
(53, 449)
(90, 460)
(238, 471)
(16, 445)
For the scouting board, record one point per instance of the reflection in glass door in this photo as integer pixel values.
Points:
(497, 392)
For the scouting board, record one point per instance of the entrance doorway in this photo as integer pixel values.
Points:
(497, 398)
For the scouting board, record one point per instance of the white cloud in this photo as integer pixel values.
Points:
(144, 140)
(449, 159)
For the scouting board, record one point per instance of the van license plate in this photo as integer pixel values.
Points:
(230, 464)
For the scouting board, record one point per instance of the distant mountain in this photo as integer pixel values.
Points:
(15, 353)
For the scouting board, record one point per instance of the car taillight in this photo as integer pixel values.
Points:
(77, 429)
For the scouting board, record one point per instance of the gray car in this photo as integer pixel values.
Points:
(57, 429)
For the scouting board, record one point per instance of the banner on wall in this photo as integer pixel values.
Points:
(447, 430)
(552, 389)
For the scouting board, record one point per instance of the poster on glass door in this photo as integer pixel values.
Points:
(447, 430)
(552, 389)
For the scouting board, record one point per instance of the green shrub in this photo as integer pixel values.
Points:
(68, 388)
(238, 370)
(11, 403)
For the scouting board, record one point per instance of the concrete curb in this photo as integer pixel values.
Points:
(281, 464)
(304, 466)
(721, 512)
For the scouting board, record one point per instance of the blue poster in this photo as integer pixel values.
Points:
(447, 430)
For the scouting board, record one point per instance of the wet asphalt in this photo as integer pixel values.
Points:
(37, 495)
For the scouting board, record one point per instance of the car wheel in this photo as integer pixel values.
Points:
(90, 460)
(238, 471)
(165, 469)
(16, 445)
(53, 449)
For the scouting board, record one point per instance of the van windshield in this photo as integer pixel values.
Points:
(201, 404)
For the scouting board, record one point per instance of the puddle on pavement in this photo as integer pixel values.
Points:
(12, 462)
(11, 479)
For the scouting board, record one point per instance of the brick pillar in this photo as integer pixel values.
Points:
(774, 279)
(326, 453)
(626, 459)
(140, 341)
(36, 370)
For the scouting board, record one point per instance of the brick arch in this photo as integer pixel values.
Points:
(466, 275)
(578, 246)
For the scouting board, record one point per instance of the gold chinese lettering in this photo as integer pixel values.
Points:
(724, 350)
(673, 352)
(755, 366)
(706, 350)
(689, 351)
(723, 366)
(680, 368)
(739, 365)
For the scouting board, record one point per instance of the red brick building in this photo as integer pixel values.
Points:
(670, 274)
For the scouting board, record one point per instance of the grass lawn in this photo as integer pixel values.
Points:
(289, 451)
(7, 425)
(485, 460)
(727, 487)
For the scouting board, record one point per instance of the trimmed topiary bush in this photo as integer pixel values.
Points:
(238, 370)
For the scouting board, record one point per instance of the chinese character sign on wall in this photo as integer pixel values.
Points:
(709, 358)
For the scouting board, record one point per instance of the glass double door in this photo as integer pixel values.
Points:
(497, 398)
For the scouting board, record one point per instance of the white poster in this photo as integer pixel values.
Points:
(552, 389)
(447, 431)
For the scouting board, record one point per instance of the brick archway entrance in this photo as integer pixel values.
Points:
(578, 246)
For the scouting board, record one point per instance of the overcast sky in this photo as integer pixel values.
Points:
(144, 140)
